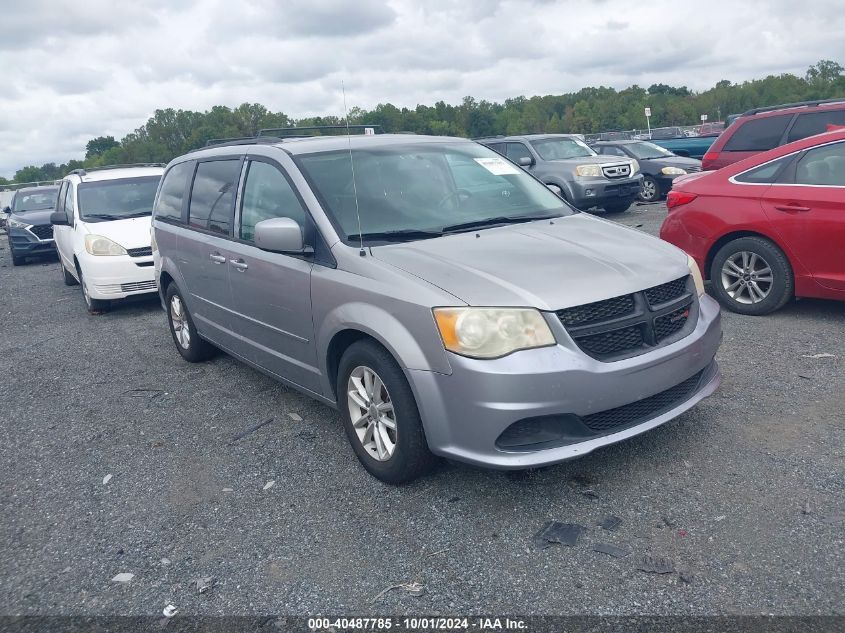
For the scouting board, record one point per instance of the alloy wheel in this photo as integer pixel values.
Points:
(747, 277)
(648, 190)
(179, 322)
(372, 414)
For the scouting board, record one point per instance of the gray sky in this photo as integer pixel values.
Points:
(73, 70)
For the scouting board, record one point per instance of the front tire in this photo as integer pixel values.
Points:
(751, 275)
(650, 190)
(188, 342)
(69, 279)
(380, 415)
(94, 306)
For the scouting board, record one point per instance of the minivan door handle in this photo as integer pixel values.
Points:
(217, 258)
(240, 264)
(791, 208)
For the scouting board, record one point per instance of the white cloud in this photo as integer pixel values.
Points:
(73, 70)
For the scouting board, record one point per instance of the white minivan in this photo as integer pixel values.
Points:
(101, 226)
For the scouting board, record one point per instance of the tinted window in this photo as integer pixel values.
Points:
(213, 195)
(814, 123)
(497, 147)
(822, 166)
(116, 199)
(267, 194)
(515, 151)
(758, 135)
(764, 174)
(169, 201)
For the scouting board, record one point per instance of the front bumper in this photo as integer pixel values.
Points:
(24, 243)
(117, 277)
(596, 192)
(464, 413)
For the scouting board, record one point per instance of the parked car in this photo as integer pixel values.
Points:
(572, 170)
(445, 301)
(712, 128)
(769, 227)
(28, 223)
(102, 229)
(659, 166)
(688, 146)
(762, 129)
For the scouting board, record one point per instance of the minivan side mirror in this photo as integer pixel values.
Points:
(525, 161)
(58, 218)
(279, 235)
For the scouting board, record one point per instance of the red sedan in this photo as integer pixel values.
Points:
(768, 228)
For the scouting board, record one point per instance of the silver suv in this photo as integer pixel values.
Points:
(445, 301)
(573, 170)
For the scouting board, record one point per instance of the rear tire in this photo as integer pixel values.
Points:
(94, 306)
(188, 342)
(751, 275)
(386, 433)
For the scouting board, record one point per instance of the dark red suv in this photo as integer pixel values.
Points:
(762, 129)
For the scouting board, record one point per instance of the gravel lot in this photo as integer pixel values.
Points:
(745, 493)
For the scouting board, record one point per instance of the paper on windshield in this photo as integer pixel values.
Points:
(497, 166)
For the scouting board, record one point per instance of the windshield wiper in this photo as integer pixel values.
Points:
(399, 235)
(102, 216)
(493, 222)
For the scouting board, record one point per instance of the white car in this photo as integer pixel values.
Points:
(102, 231)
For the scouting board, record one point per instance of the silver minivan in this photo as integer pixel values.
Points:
(443, 300)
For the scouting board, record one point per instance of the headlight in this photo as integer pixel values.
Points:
(99, 245)
(491, 332)
(17, 224)
(673, 171)
(696, 275)
(588, 170)
(635, 168)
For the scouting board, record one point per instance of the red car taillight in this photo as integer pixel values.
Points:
(708, 159)
(678, 198)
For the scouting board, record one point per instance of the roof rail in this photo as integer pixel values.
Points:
(797, 104)
(482, 138)
(296, 132)
(86, 170)
(239, 140)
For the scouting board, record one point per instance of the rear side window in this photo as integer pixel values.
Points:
(213, 195)
(515, 151)
(815, 123)
(765, 174)
(169, 202)
(758, 135)
(822, 166)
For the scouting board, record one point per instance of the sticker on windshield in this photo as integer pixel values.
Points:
(497, 166)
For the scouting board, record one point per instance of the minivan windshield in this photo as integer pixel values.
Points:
(415, 191)
(117, 199)
(35, 200)
(561, 148)
(647, 150)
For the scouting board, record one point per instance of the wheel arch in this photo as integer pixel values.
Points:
(734, 235)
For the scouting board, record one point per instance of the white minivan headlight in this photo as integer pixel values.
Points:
(491, 332)
(99, 245)
(696, 275)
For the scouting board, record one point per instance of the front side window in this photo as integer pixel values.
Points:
(35, 200)
(118, 199)
(515, 151)
(419, 190)
(758, 135)
(169, 202)
(267, 194)
(213, 195)
(562, 148)
(822, 166)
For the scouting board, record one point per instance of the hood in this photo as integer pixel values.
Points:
(41, 216)
(129, 233)
(578, 259)
(588, 160)
(673, 161)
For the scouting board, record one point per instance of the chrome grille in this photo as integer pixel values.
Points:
(138, 285)
(616, 171)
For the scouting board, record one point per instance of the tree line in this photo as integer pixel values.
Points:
(169, 133)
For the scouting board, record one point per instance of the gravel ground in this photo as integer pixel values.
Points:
(744, 493)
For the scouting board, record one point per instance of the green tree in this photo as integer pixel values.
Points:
(99, 145)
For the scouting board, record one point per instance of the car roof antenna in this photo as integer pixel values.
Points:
(362, 252)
